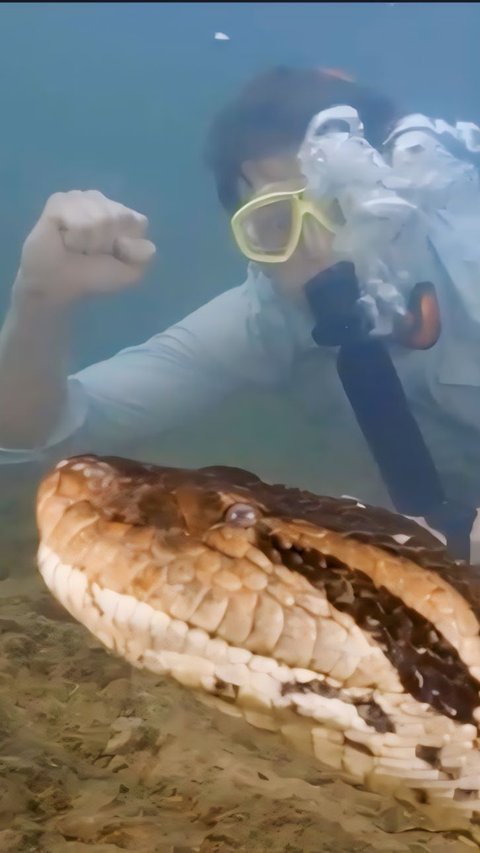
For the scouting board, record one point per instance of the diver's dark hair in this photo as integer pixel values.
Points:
(271, 115)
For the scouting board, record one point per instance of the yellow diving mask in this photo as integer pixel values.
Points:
(267, 228)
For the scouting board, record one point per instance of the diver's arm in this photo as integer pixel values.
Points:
(174, 378)
(33, 370)
(140, 392)
(163, 383)
(82, 244)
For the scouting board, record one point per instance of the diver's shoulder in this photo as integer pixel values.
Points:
(224, 314)
(240, 300)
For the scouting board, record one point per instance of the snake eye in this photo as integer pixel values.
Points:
(241, 515)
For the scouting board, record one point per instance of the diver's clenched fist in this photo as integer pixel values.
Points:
(84, 243)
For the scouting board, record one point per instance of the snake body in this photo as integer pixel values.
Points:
(346, 628)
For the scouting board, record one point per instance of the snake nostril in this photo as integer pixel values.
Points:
(241, 515)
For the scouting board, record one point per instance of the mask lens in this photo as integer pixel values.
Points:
(268, 228)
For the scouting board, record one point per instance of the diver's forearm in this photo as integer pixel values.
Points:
(33, 369)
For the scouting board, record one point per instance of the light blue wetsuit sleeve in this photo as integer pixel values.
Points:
(145, 390)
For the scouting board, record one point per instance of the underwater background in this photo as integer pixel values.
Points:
(118, 97)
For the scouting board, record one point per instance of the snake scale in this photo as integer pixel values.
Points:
(346, 628)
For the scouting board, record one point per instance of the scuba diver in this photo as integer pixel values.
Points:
(359, 222)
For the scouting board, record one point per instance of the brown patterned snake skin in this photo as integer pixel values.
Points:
(346, 628)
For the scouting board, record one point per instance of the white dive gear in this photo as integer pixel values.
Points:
(423, 192)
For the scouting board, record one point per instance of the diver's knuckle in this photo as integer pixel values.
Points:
(56, 202)
(129, 221)
(95, 195)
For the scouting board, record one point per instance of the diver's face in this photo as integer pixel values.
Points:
(314, 251)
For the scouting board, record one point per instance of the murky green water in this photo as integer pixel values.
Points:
(94, 756)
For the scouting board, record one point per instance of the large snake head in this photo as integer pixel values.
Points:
(345, 627)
